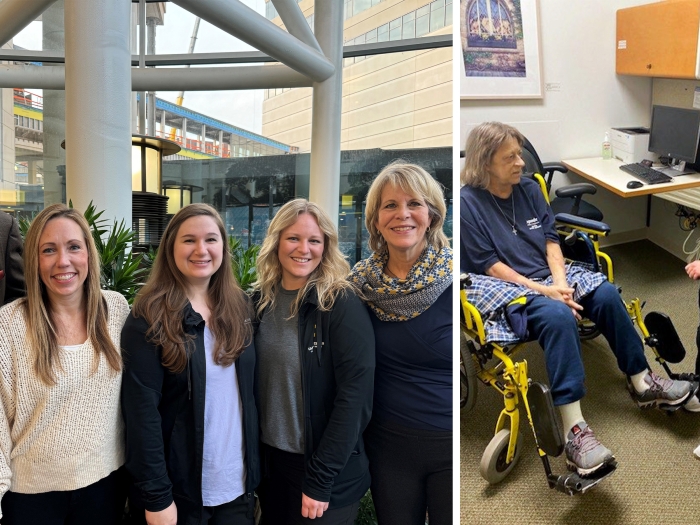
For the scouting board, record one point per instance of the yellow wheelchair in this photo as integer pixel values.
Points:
(499, 367)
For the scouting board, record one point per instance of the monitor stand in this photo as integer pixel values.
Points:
(677, 167)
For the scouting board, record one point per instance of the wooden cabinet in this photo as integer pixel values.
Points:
(659, 39)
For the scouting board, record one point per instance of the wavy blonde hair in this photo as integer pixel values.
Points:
(330, 276)
(417, 182)
(161, 302)
(38, 310)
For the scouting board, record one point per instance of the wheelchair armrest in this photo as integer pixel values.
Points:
(580, 222)
(551, 167)
(576, 190)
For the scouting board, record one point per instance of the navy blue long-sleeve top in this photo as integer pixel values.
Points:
(413, 377)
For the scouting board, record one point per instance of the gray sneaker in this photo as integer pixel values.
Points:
(662, 392)
(584, 453)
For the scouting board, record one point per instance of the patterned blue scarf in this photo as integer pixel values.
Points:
(393, 299)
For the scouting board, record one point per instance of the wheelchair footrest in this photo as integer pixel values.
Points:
(572, 483)
(664, 337)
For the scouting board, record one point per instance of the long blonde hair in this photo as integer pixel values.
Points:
(38, 309)
(329, 277)
(161, 302)
(415, 181)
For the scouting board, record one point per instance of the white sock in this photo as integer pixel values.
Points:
(638, 381)
(570, 415)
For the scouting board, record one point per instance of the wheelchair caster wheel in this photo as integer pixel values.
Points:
(493, 467)
(468, 383)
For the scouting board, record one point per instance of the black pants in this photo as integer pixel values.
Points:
(280, 492)
(232, 513)
(102, 502)
(411, 474)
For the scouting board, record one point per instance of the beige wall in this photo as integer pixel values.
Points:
(397, 100)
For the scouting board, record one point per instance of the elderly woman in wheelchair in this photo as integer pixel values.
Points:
(510, 245)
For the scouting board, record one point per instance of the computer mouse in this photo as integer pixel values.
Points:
(634, 184)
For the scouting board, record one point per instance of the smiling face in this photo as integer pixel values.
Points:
(63, 260)
(300, 251)
(198, 249)
(506, 167)
(403, 220)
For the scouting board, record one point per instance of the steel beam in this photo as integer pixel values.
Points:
(98, 126)
(239, 57)
(15, 15)
(163, 79)
(324, 181)
(242, 22)
(217, 78)
(295, 22)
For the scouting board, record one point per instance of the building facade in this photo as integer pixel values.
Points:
(392, 101)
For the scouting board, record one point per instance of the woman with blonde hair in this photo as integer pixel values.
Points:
(315, 373)
(187, 395)
(407, 283)
(61, 431)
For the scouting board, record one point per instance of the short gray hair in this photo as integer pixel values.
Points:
(482, 143)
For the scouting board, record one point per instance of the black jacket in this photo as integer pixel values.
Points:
(164, 418)
(337, 372)
(11, 266)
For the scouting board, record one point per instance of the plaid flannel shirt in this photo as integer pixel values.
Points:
(491, 297)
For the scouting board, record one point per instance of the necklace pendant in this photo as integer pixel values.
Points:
(515, 232)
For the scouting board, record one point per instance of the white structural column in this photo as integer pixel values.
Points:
(242, 22)
(324, 184)
(294, 21)
(15, 15)
(98, 89)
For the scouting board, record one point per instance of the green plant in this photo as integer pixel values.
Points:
(366, 515)
(243, 262)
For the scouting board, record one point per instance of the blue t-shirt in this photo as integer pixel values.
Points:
(413, 377)
(486, 230)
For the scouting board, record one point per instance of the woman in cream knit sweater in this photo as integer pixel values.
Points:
(61, 431)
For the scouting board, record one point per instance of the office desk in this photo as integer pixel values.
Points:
(607, 173)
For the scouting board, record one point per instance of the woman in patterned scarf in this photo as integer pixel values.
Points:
(407, 283)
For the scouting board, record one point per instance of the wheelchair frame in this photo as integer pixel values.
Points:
(509, 377)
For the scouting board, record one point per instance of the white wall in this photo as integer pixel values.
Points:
(578, 52)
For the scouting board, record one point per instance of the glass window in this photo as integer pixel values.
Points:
(371, 36)
(348, 9)
(383, 33)
(409, 26)
(448, 12)
(395, 29)
(361, 5)
(423, 23)
(437, 15)
(375, 2)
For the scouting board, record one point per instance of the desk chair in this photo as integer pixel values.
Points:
(568, 198)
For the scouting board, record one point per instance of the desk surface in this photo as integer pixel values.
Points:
(607, 173)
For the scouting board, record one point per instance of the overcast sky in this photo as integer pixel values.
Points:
(240, 108)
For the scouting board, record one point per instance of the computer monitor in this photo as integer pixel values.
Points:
(675, 133)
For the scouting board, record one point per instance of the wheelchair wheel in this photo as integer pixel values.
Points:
(468, 384)
(493, 467)
(587, 330)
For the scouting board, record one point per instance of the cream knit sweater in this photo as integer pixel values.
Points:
(60, 437)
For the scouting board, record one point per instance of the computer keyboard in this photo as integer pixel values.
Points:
(648, 175)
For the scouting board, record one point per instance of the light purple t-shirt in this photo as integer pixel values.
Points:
(223, 464)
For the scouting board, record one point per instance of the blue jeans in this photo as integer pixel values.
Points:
(554, 326)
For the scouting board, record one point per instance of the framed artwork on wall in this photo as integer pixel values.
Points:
(500, 49)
